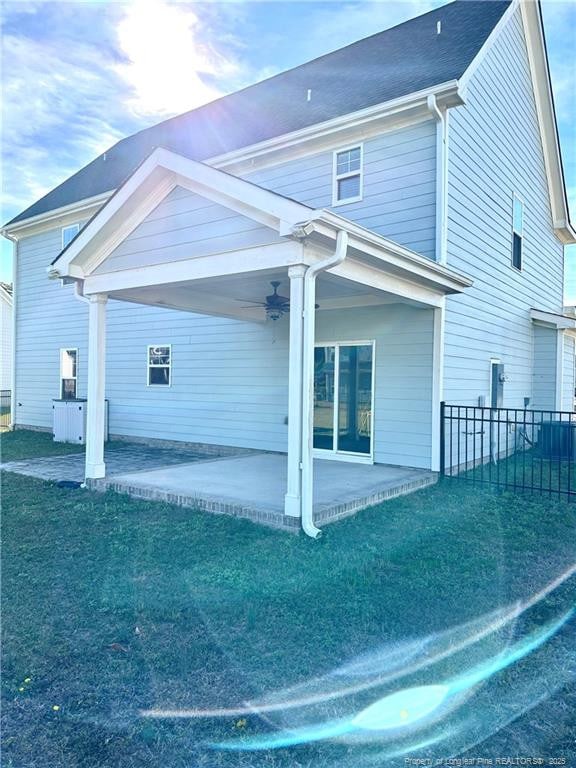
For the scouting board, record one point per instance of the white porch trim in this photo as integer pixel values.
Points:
(437, 381)
(95, 423)
(293, 498)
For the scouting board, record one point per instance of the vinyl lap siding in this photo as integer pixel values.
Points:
(544, 383)
(398, 191)
(494, 151)
(185, 226)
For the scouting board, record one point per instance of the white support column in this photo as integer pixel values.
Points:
(95, 424)
(292, 500)
(437, 381)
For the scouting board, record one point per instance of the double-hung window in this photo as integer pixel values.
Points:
(69, 233)
(159, 365)
(347, 181)
(68, 373)
(517, 231)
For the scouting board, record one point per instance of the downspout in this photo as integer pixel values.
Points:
(441, 178)
(309, 327)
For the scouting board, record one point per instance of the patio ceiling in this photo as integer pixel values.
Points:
(231, 296)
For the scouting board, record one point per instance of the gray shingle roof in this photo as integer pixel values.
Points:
(407, 58)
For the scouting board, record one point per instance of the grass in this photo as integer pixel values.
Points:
(112, 605)
(27, 444)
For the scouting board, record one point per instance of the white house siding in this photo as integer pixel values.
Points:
(568, 373)
(398, 190)
(5, 343)
(494, 151)
(183, 226)
(403, 375)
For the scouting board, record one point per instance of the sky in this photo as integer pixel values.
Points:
(78, 76)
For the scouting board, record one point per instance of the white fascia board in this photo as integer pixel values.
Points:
(447, 94)
(536, 48)
(61, 216)
(263, 257)
(387, 253)
(550, 319)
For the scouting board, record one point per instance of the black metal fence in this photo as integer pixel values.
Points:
(5, 400)
(522, 450)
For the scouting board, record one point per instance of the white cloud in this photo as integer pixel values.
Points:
(170, 61)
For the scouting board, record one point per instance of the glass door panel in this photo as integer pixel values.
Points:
(355, 398)
(324, 391)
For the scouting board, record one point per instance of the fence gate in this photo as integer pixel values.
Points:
(519, 449)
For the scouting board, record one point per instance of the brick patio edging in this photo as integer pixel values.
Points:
(276, 520)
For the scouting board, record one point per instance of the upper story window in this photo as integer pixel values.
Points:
(347, 184)
(69, 233)
(517, 231)
(68, 373)
(159, 365)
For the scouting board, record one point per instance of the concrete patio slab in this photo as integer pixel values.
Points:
(254, 486)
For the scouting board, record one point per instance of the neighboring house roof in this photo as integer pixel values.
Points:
(405, 59)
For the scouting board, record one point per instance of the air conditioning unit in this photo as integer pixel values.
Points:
(558, 440)
(69, 425)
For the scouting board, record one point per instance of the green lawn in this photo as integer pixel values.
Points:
(112, 606)
(27, 444)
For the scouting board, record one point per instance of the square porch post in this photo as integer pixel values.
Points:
(292, 500)
(95, 421)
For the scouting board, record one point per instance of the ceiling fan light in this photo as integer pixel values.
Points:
(274, 313)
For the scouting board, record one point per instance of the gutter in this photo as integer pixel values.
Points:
(308, 379)
(441, 178)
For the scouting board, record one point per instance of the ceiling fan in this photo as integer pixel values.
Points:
(274, 304)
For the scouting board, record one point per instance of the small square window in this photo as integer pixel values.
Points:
(68, 373)
(347, 184)
(69, 233)
(159, 365)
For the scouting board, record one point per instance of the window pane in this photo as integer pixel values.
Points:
(68, 364)
(69, 233)
(348, 161)
(159, 376)
(518, 216)
(324, 397)
(517, 251)
(68, 389)
(348, 188)
(159, 355)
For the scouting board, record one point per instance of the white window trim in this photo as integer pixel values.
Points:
(68, 349)
(336, 178)
(516, 196)
(76, 227)
(148, 366)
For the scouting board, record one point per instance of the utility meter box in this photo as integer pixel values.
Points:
(498, 379)
(69, 424)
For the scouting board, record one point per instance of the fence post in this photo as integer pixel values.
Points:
(442, 439)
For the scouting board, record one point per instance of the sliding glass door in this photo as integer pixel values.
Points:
(343, 398)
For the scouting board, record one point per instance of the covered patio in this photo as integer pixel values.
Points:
(349, 288)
